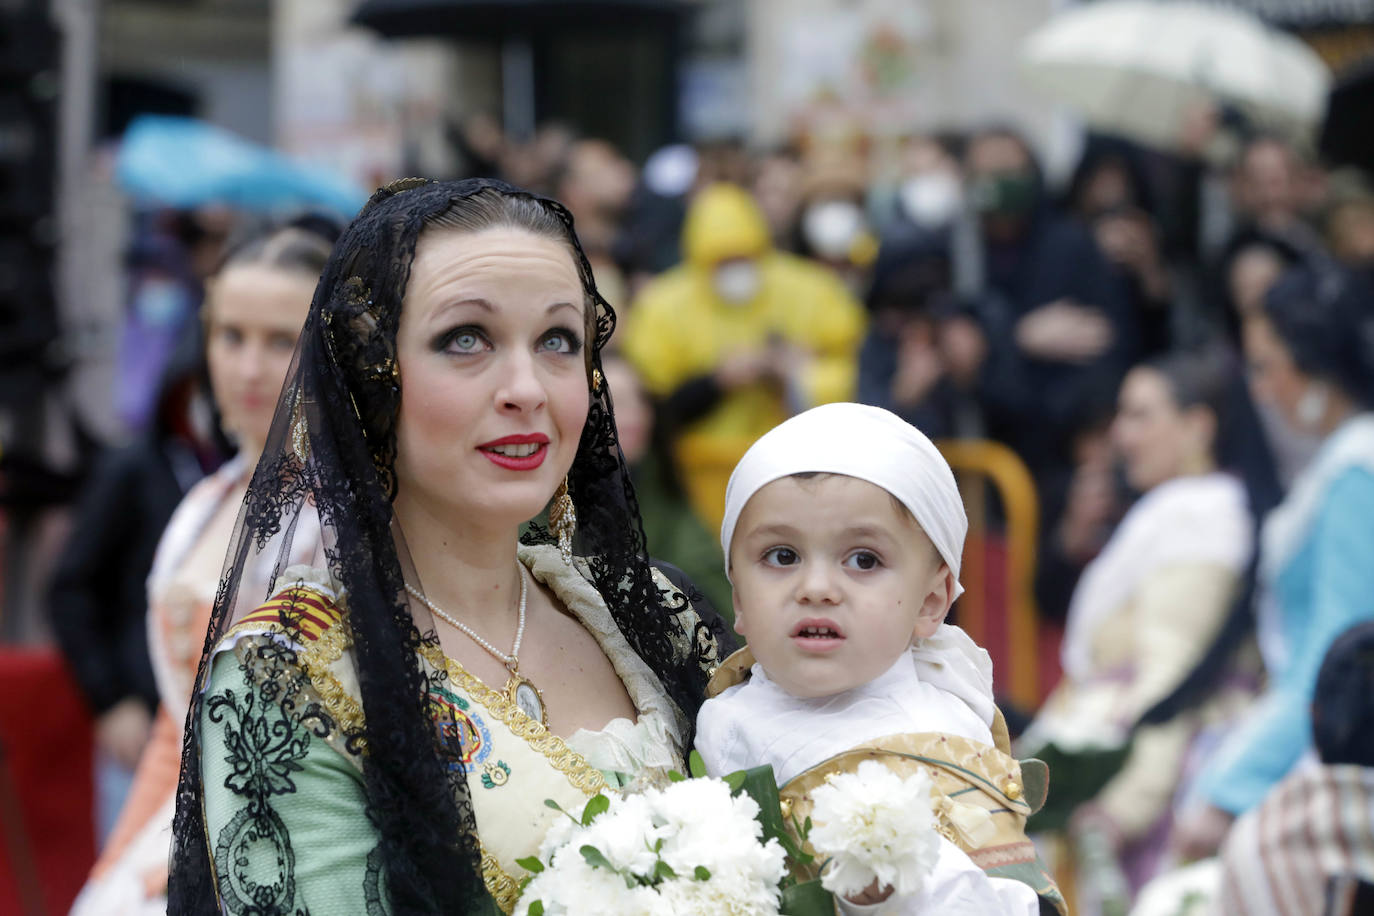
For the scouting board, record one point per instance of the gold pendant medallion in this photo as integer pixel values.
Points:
(527, 698)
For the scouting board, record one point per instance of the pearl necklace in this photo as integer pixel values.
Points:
(520, 690)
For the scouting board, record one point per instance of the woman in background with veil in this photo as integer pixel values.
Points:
(379, 731)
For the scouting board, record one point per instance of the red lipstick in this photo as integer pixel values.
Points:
(517, 462)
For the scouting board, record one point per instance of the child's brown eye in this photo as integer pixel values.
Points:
(863, 559)
(780, 556)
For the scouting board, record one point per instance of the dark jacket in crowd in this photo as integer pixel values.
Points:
(1036, 405)
(97, 599)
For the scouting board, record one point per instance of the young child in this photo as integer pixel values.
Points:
(842, 535)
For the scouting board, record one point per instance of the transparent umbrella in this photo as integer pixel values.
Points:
(1141, 69)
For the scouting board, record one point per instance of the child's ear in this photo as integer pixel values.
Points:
(739, 614)
(935, 607)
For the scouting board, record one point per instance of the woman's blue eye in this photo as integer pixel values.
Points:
(781, 556)
(465, 342)
(559, 342)
(863, 559)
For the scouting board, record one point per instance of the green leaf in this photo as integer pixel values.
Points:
(735, 781)
(596, 805)
(537, 908)
(530, 863)
(762, 786)
(663, 871)
(807, 899)
(696, 765)
(702, 873)
(550, 803)
(675, 776)
(594, 857)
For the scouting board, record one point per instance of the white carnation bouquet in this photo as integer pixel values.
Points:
(874, 826)
(706, 845)
(692, 847)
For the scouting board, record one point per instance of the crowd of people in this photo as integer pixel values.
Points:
(1181, 353)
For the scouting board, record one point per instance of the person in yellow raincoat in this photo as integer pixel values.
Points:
(736, 339)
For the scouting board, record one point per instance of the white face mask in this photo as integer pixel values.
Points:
(737, 282)
(931, 199)
(831, 226)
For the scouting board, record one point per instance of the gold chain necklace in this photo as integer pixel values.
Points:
(520, 690)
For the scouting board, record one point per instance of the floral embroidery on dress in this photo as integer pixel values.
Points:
(253, 854)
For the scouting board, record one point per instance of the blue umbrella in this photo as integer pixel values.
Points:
(184, 163)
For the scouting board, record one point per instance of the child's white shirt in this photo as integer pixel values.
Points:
(942, 684)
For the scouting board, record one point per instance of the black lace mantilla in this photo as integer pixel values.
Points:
(329, 457)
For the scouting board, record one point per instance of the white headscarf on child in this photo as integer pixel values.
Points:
(869, 443)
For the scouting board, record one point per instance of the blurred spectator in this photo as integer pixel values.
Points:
(535, 165)
(1147, 608)
(777, 187)
(650, 240)
(1253, 266)
(1349, 221)
(929, 195)
(723, 161)
(736, 339)
(171, 254)
(1110, 192)
(1311, 354)
(481, 145)
(595, 183)
(98, 598)
(1274, 190)
(1268, 451)
(673, 532)
(1309, 846)
(833, 227)
(254, 309)
(1058, 324)
(921, 357)
(1059, 319)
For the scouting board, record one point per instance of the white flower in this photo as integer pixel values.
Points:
(626, 837)
(708, 840)
(874, 825)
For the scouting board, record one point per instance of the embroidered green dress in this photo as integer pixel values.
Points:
(285, 807)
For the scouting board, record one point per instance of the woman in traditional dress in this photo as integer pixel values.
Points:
(254, 309)
(1311, 352)
(1147, 609)
(382, 735)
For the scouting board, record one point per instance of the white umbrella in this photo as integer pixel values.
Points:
(1140, 68)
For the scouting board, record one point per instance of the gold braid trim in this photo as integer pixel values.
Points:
(563, 758)
(316, 660)
(504, 889)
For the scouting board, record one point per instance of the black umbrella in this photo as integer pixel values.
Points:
(1347, 136)
(504, 18)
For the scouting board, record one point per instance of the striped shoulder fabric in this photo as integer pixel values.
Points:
(295, 609)
(1316, 826)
